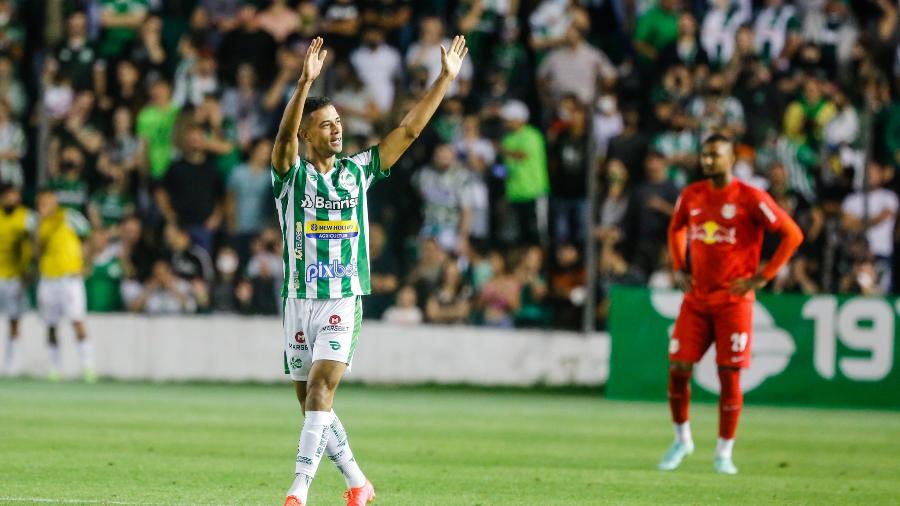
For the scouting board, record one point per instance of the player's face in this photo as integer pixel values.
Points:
(324, 132)
(46, 204)
(716, 158)
(10, 198)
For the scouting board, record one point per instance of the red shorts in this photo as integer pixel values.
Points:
(729, 325)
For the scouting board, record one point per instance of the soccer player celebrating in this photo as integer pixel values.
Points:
(17, 223)
(321, 202)
(722, 220)
(60, 291)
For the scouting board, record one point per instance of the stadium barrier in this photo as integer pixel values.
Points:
(807, 350)
(235, 348)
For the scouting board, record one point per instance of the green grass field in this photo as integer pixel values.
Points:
(127, 443)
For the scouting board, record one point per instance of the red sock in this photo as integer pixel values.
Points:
(731, 400)
(679, 394)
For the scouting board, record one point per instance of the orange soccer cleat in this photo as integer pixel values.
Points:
(360, 496)
(292, 501)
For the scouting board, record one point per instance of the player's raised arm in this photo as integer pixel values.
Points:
(399, 139)
(287, 143)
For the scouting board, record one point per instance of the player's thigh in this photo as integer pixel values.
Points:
(733, 327)
(51, 300)
(75, 299)
(336, 324)
(692, 335)
(12, 299)
(297, 342)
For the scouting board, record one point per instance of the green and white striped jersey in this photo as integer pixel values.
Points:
(324, 226)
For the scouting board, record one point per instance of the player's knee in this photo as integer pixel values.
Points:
(319, 392)
(681, 367)
(730, 382)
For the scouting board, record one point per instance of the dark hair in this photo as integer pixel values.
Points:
(312, 105)
(717, 138)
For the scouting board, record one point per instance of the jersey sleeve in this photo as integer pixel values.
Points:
(765, 211)
(370, 161)
(280, 184)
(78, 223)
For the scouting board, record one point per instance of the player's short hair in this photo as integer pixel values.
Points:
(718, 138)
(312, 105)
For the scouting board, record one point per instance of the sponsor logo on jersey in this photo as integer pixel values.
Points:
(299, 337)
(335, 269)
(728, 211)
(319, 202)
(334, 319)
(334, 345)
(711, 232)
(298, 240)
(331, 230)
(335, 328)
(296, 363)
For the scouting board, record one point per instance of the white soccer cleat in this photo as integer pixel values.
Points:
(677, 452)
(724, 465)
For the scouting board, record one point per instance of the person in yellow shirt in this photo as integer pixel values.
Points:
(17, 224)
(60, 292)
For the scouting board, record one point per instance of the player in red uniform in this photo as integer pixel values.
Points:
(721, 220)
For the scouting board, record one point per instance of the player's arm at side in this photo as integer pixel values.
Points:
(678, 235)
(775, 219)
(399, 139)
(287, 142)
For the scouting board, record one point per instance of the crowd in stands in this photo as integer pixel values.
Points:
(154, 118)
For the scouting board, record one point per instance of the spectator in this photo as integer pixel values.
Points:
(278, 20)
(156, 126)
(107, 207)
(647, 219)
(679, 146)
(477, 154)
(442, 186)
(426, 275)
(354, 102)
(719, 31)
(566, 293)
(104, 276)
(551, 20)
(385, 272)
(121, 152)
(575, 67)
(223, 288)
(877, 224)
(717, 110)
(12, 148)
(249, 194)
(379, 66)
(191, 193)
(405, 311)
(613, 200)
(148, 51)
(501, 296)
(67, 181)
(190, 263)
(120, 20)
(425, 55)
(196, 75)
(258, 293)
(83, 129)
(450, 303)
(242, 106)
(777, 33)
(656, 28)
(532, 311)
(340, 24)
(12, 92)
(686, 50)
(806, 117)
(163, 293)
(247, 43)
(608, 122)
(569, 163)
(127, 90)
(527, 181)
(78, 60)
(138, 252)
(630, 147)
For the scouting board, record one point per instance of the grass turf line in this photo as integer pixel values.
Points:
(138, 443)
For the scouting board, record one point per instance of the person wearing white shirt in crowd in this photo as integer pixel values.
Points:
(405, 311)
(379, 67)
(877, 222)
(720, 26)
(576, 67)
(425, 53)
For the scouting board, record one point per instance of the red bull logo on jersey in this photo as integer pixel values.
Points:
(331, 270)
(711, 232)
(328, 230)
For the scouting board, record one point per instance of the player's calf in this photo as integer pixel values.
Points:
(731, 400)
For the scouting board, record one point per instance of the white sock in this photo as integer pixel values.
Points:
(9, 355)
(55, 362)
(313, 439)
(86, 352)
(724, 448)
(683, 432)
(339, 452)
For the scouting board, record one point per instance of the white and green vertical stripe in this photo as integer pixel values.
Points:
(324, 226)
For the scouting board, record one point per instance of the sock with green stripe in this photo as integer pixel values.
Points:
(339, 452)
(313, 439)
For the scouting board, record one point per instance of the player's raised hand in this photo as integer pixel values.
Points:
(314, 60)
(741, 286)
(451, 59)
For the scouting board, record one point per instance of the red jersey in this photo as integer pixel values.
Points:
(724, 235)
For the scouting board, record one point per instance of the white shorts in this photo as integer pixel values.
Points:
(62, 299)
(319, 329)
(12, 298)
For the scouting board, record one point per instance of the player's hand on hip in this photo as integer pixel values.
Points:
(741, 286)
(314, 60)
(683, 281)
(451, 59)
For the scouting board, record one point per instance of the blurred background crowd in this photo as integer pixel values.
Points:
(154, 118)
